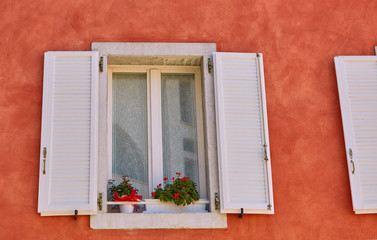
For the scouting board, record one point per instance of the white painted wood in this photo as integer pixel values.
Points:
(156, 127)
(357, 85)
(69, 134)
(244, 174)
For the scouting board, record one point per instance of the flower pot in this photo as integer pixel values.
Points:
(156, 206)
(126, 208)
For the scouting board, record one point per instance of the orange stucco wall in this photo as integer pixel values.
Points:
(298, 39)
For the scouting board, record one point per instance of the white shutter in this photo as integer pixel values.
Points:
(68, 174)
(357, 85)
(242, 134)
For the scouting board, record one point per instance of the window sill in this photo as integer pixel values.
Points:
(156, 206)
(158, 221)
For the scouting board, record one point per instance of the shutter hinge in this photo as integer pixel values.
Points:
(258, 54)
(101, 64)
(99, 201)
(217, 201)
(352, 162)
(265, 152)
(210, 65)
(269, 206)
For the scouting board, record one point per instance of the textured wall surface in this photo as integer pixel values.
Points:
(298, 40)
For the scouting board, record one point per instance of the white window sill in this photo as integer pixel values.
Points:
(158, 221)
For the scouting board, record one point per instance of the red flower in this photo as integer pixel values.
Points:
(181, 180)
(159, 185)
(172, 178)
(184, 178)
(153, 193)
(188, 178)
(176, 195)
(165, 178)
(178, 173)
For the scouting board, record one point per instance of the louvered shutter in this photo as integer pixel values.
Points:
(357, 85)
(68, 159)
(242, 134)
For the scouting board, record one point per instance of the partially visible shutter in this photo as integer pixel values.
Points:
(68, 159)
(242, 134)
(357, 85)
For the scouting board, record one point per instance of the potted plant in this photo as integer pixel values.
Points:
(181, 192)
(124, 192)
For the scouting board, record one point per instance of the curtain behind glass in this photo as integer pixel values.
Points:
(130, 154)
(179, 126)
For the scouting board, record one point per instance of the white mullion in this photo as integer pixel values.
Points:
(156, 127)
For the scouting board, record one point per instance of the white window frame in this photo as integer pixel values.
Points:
(154, 111)
(181, 53)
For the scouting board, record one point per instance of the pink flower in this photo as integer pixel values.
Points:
(176, 195)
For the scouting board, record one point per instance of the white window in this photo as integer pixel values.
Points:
(156, 125)
(357, 85)
(146, 92)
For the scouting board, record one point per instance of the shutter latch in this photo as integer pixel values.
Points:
(210, 65)
(352, 162)
(265, 152)
(269, 206)
(44, 159)
(99, 201)
(101, 64)
(217, 201)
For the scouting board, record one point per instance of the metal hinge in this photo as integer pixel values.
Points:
(210, 65)
(101, 64)
(265, 152)
(217, 201)
(99, 201)
(258, 54)
(269, 206)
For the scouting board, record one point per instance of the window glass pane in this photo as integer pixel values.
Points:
(179, 126)
(130, 153)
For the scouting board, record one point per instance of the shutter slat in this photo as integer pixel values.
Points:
(245, 176)
(69, 133)
(357, 84)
